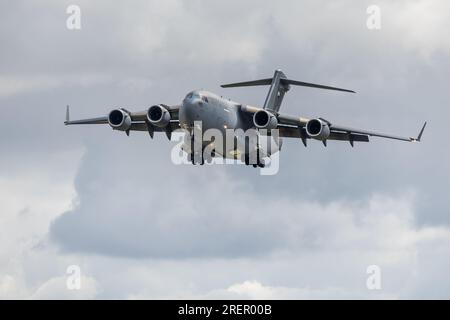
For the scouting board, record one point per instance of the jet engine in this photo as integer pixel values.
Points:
(265, 120)
(158, 116)
(318, 129)
(119, 119)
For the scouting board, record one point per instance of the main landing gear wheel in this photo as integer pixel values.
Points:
(259, 162)
(194, 158)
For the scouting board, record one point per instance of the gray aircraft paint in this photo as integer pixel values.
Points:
(215, 112)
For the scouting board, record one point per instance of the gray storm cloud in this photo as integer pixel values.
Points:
(91, 192)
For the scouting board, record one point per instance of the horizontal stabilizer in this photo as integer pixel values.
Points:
(261, 82)
(279, 85)
(285, 82)
(312, 85)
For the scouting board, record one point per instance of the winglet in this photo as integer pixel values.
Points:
(67, 115)
(420, 134)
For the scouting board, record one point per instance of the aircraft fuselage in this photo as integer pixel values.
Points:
(215, 112)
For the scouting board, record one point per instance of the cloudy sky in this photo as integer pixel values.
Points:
(139, 226)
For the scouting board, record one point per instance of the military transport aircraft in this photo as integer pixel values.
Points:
(215, 112)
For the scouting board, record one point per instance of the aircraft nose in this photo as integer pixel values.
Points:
(196, 101)
(191, 109)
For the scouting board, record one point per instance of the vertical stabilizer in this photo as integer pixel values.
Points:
(277, 90)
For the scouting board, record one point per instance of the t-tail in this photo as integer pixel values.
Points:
(279, 85)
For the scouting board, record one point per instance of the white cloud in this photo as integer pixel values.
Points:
(56, 288)
(252, 289)
(424, 33)
(11, 288)
(25, 84)
(334, 268)
(342, 240)
(141, 228)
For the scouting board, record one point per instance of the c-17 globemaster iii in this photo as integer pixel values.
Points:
(213, 112)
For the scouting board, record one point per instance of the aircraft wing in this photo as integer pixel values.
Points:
(139, 121)
(98, 120)
(338, 132)
(296, 132)
(295, 127)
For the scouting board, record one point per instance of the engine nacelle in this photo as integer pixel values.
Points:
(119, 119)
(318, 129)
(158, 116)
(263, 119)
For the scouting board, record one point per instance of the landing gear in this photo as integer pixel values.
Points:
(196, 158)
(259, 162)
(206, 154)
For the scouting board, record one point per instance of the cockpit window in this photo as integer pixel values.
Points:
(205, 99)
(193, 94)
